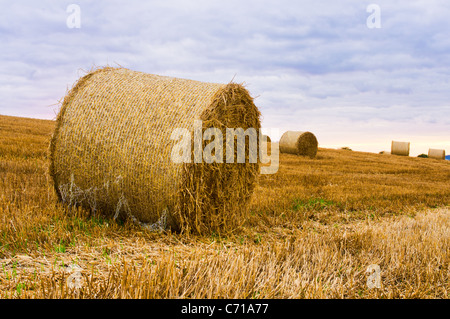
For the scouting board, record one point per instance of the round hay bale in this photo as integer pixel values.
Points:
(299, 143)
(437, 154)
(400, 148)
(111, 150)
(266, 138)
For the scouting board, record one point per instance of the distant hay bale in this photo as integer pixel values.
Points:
(400, 148)
(437, 154)
(111, 150)
(299, 143)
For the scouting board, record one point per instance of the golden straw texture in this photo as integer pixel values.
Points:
(299, 143)
(400, 148)
(111, 150)
(437, 154)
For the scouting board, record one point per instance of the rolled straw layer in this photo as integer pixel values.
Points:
(299, 143)
(436, 153)
(400, 148)
(111, 149)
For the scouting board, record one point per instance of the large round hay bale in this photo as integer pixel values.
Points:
(400, 148)
(111, 149)
(299, 143)
(437, 154)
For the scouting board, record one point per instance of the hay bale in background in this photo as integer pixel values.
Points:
(400, 148)
(266, 138)
(437, 154)
(111, 149)
(299, 143)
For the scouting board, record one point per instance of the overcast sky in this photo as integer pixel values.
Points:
(313, 65)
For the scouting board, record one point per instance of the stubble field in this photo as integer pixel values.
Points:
(312, 231)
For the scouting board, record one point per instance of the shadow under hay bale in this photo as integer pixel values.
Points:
(299, 143)
(400, 148)
(111, 150)
(436, 154)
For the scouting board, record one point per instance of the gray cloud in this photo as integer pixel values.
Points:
(313, 65)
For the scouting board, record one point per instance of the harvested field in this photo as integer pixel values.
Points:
(312, 231)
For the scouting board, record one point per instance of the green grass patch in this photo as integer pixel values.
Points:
(312, 204)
